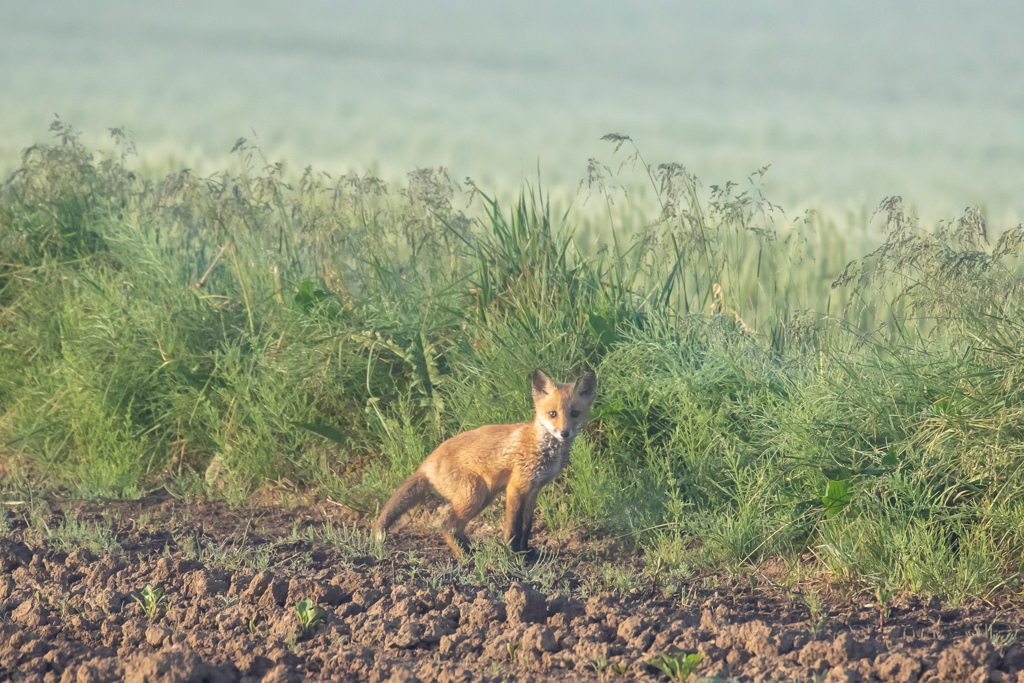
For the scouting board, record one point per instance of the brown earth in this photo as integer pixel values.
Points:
(68, 614)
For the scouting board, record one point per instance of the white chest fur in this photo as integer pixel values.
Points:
(553, 454)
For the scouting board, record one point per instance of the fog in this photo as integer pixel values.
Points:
(848, 102)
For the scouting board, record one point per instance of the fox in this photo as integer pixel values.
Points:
(470, 469)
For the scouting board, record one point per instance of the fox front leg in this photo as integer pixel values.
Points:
(515, 517)
(529, 507)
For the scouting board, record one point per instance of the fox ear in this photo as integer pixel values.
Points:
(586, 385)
(542, 384)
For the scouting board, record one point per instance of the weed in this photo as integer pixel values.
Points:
(616, 577)
(818, 612)
(677, 667)
(150, 599)
(480, 569)
(66, 607)
(144, 523)
(653, 571)
(494, 562)
(1000, 638)
(883, 596)
(258, 630)
(451, 574)
(310, 615)
(601, 664)
(351, 542)
(260, 557)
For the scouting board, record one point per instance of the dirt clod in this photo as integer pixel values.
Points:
(898, 668)
(970, 659)
(524, 605)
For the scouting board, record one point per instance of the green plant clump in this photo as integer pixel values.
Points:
(677, 667)
(773, 387)
(310, 615)
(150, 599)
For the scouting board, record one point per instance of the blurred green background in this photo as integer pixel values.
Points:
(849, 103)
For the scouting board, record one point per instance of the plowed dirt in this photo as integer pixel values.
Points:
(232, 580)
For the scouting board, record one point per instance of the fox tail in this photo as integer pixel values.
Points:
(412, 491)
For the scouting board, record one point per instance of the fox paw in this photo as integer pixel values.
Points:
(529, 555)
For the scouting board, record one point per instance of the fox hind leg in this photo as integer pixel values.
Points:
(455, 535)
(462, 511)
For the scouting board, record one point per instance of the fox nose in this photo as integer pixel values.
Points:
(565, 433)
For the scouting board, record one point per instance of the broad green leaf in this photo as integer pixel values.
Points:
(837, 497)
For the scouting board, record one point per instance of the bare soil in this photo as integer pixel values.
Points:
(69, 614)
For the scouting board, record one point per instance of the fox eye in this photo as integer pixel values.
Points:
(553, 413)
(574, 413)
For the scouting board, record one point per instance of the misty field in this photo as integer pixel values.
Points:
(844, 402)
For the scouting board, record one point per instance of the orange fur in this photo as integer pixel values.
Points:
(469, 470)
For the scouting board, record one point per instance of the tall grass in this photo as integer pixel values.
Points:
(767, 385)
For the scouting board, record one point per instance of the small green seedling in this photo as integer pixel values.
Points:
(600, 663)
(255, 630)
(512, 649)
(64, 603)
(480, 563)
(150, 600)
(883, 595)
(678, 667)
(310, 616)
(819, 612)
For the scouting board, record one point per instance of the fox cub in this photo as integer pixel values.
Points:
(471, 469)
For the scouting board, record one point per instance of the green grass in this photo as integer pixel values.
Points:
(857, 397)
(351, 542)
